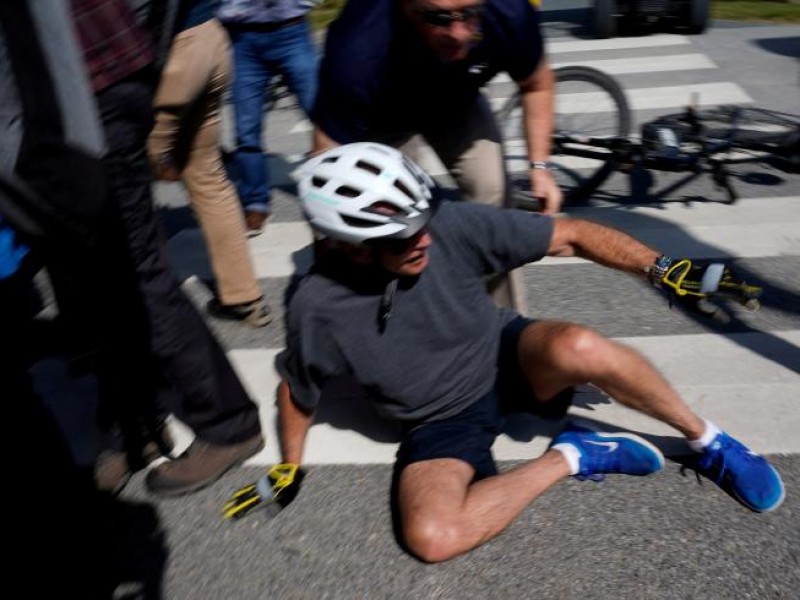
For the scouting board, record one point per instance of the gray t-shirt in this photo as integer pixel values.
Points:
(437, 353)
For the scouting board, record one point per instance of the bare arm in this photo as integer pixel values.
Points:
(537, 97)
(293, 425)
(601, 244)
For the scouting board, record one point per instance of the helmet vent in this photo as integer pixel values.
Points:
(318, 181)
(369, 167)
(383, 207)
(356, 222)
(347, 191)
(403, 188)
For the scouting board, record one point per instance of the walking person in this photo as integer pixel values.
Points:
(185, 145)
(270, 39)
(172, 347)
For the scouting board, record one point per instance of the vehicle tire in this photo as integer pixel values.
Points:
(604, 18)
(588, 102)
(697, 21)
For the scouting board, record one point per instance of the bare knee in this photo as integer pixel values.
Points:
(431, 540)
(576, 343)
(567, 349)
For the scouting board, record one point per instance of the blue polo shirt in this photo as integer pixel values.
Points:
(378, 77)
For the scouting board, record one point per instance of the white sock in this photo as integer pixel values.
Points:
(572, 456)
(705, 440)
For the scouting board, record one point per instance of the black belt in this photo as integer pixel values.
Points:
(265, 27)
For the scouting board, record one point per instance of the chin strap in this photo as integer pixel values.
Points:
(387, 303)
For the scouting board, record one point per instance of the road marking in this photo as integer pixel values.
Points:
(747, 383)
(302, 126)
(715, 242)
(672, 96)
(565, 47)
(645, 64)
(707, 229)
(706, 94)
(652, 41)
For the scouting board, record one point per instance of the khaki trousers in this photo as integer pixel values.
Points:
(187, 130)
(472, 151)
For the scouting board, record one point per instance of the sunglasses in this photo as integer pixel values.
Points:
(399, 247)
(445, 18)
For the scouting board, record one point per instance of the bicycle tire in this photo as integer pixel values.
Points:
(583, 95)
(743, 126)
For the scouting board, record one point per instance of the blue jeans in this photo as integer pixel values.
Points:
(258, 57)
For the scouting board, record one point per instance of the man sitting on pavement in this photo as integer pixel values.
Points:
(399, 307)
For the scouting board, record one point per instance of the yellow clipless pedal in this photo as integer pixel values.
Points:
(273, 491)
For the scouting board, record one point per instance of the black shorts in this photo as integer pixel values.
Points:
(470, 434)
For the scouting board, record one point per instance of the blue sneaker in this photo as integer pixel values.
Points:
(610, 452)
(745, 475)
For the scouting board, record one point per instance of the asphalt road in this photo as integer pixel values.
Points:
(664, 536)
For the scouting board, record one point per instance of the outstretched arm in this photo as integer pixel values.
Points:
(687, 281)
(601, 244)
(281, 483)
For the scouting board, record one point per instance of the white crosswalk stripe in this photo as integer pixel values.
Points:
(730, 378)
(645, 64)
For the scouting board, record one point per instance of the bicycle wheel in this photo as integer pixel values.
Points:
(588, 103)
(745, 127)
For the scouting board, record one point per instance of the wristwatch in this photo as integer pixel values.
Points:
(540, 165)
(655, 272)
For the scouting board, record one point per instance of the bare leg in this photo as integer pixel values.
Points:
(556, 355)
(443, 515)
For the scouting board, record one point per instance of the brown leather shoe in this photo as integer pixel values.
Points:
(256, 313)
(254, 222)
(201, 465)
(113, 469)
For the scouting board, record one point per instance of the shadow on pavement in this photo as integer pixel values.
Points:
(777, 295)
(140, 553)
(788, 46)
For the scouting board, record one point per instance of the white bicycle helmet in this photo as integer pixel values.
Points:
(365, 191)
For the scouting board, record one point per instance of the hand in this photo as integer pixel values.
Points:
(692, 282)
(275, 490)
(546, 190)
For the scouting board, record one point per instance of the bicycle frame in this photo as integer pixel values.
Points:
(698, 152)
